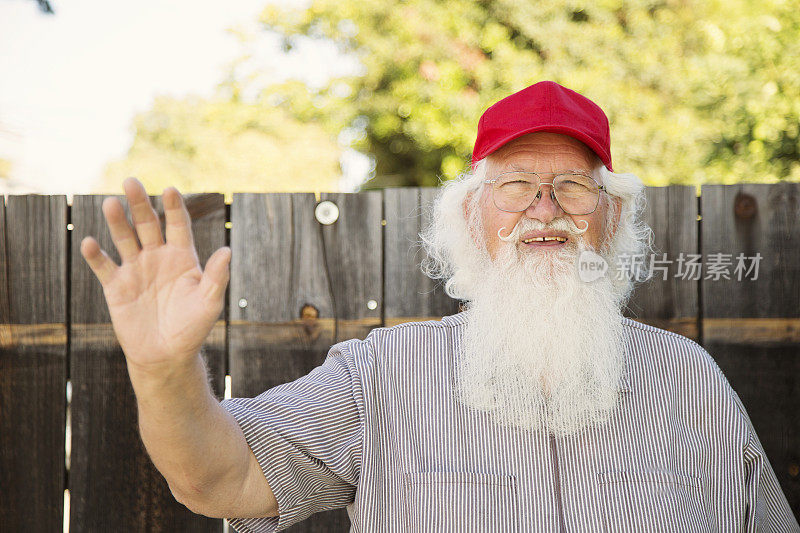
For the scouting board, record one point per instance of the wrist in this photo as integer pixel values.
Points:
(162, 369)
(179, 375)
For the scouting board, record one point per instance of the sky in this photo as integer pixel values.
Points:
(71, 83)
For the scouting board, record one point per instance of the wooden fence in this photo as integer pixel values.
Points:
(296, 288)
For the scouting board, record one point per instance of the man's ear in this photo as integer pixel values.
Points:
(467, 201)
(466, 206)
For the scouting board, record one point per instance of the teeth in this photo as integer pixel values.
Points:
(544, 239)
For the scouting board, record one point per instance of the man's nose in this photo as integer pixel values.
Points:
(544, 207)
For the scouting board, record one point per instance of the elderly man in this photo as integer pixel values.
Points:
(538, 408)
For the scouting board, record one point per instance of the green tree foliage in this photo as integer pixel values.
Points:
(225, 146)
(696, 90)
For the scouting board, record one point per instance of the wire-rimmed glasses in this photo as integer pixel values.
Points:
(575, 192)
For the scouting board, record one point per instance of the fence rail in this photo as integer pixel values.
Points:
(296, 288)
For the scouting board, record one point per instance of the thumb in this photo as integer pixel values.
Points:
(216, 274)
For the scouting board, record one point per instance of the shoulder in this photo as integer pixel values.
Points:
(405, 342)
(656, 343)
(678, 363)
(406, 337)
(421, 329)
(658, 354)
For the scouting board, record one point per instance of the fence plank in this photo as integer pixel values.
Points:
(276, 269)
(667, 301)
(285, 262)
(765, 219)
(410, 294)
(354, 245)
(33, 348)
(113, 484)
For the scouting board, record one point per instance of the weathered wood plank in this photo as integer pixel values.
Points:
(667, 299)
(113, 484)
(287, 266)
(354, 247)
(752, 219)
(410, 294)
(33, 268)
(758, 331)
(277, 267)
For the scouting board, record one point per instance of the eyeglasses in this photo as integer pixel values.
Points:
(575, 193)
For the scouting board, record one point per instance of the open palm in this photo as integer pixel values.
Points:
(162, 304)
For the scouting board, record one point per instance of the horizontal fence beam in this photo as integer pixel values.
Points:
(738, 330)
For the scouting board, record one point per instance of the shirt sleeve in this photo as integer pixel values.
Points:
(767, 509)
(307, 437)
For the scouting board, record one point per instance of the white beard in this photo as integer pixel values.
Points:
(542, 350)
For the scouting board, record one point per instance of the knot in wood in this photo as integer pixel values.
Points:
(311, 326)
(744, 206)
(309, 312)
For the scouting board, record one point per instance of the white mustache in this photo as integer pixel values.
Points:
(530, 224)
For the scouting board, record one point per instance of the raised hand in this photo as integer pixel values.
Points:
(162, 304)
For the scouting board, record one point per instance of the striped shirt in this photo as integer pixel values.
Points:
(377, 428)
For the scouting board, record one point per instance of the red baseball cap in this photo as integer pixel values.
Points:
(544, 106)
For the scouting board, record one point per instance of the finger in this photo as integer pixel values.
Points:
(102, 265)
(216, 274)
(179, 223)
(121, 232)
(148, 228)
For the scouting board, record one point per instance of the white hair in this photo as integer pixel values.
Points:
(632, 236)
(450, 239)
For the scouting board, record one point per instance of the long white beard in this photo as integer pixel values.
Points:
(542, 350)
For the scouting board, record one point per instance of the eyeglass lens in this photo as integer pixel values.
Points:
(576, 194)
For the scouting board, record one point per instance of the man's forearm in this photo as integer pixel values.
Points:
(192, 440)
